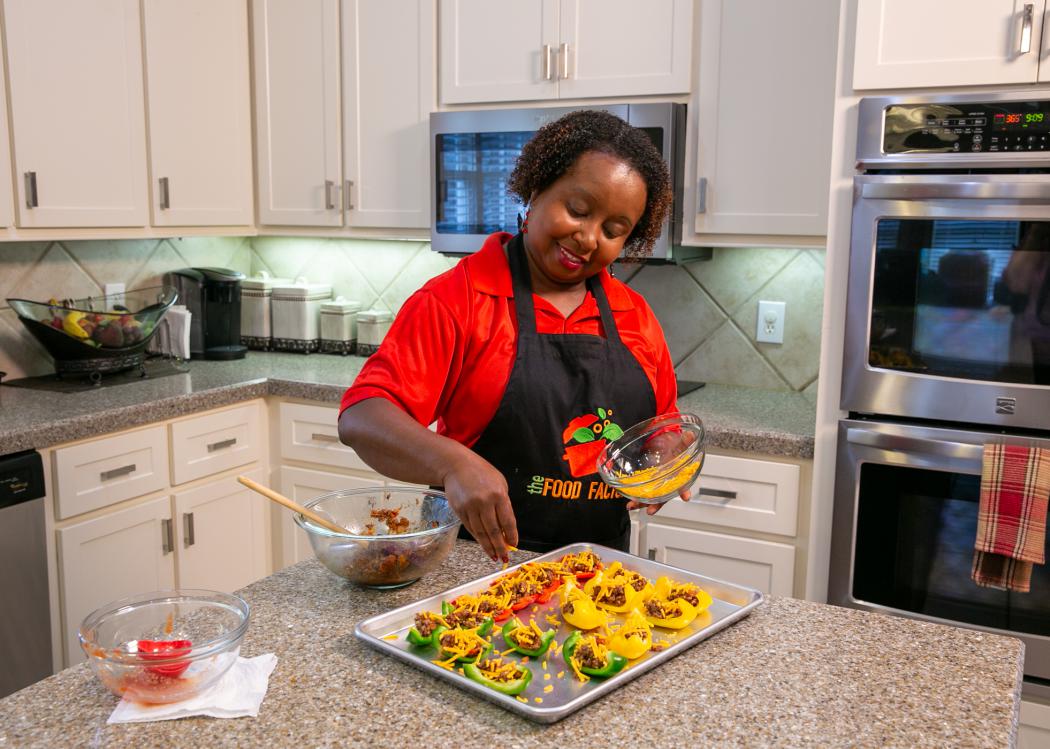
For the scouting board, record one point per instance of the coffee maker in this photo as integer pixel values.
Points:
(213, 298)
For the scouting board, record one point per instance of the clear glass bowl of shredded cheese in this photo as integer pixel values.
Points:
(655, 460)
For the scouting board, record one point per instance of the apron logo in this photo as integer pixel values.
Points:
(584, 437)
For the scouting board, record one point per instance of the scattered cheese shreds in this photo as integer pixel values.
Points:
(538, 699)
(519, 698)
(561, 674)
(548, 688)
(546, 677)
(390, 637)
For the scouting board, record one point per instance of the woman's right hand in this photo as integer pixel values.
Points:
(478, 494)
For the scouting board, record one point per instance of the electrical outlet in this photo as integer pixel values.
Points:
(770, 322)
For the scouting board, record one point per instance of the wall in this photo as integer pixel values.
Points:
(707, 308)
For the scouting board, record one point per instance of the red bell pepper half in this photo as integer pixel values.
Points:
(157, 650)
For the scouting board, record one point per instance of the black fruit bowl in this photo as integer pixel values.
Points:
(96, 335)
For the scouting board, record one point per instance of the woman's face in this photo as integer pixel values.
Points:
(579, 224)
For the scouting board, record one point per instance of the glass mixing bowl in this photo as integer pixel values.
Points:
(394, 535)
(655, 460)
(164, 646)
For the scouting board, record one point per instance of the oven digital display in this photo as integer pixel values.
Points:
(967, 128)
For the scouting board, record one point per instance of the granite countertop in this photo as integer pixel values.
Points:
(774, 423)
(793, 673)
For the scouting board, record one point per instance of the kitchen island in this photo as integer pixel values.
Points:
(793, 673)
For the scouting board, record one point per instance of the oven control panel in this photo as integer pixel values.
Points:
(966, 128)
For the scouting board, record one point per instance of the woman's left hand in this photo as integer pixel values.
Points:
(685, 494)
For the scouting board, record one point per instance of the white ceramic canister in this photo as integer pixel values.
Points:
(256, 320)
(339, 326)
(296, 311)
(372, 327)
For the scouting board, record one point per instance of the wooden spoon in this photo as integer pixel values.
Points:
(294, 506)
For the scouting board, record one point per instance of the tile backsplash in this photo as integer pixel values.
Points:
(708, 308)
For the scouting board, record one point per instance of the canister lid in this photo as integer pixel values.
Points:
(375, 315)
(302, 289)
(340, 305)
(264, 281)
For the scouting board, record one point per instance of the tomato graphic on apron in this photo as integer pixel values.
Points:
(589, 434)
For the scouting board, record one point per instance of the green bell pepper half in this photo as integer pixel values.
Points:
(420, 641)
(516, 686)
(483, 629)
(470, 659)
(545, 639)
(613, 665)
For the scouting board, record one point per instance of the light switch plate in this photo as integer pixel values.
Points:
(770, 322)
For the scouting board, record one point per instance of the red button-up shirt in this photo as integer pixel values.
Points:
(449, 352)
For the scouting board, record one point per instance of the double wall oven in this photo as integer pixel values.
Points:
(947, 349)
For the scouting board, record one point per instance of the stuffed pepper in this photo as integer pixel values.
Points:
(670, 590)
(588, 655)
(503, 676)
(634, 638)
(579, 610)
(427, 628)
(583, 565)
(612, 590)
(461, 646)
(469, 612)
(675, 614)
(527, 639)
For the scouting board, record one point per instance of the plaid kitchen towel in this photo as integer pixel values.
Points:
(1011, 518)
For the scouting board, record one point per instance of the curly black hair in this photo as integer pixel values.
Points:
(558, 144)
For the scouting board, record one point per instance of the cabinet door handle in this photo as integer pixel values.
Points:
(563, 60)
(1026, 29)
(652, 555)
(168, 540)
(723, 494)
(701, 195)
(221, 444)
(32, 199)
(117, 472)
(349, 195)
(324, 437)
(187, 529)
(329, 188)
(548, 69)
(165, 194)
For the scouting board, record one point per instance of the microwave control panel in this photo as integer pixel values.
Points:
(966, 128)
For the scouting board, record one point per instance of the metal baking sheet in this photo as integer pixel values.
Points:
(386, 632)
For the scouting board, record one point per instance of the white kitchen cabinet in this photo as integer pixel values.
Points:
(1033, 730)
(388, 92)
(296, 53)
(220, 529)
(76, 108)
(764, 565)
(504, 50)
(763, 114)
(302, 485)
(7, 195)
(922, 43)
(343, 144)
(743, 493)
(311, 433)
(121, 554)
(207, 444)
(196, 55)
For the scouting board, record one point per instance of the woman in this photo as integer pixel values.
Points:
(528, 351)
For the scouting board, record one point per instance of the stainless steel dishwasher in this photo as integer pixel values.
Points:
(25, 627)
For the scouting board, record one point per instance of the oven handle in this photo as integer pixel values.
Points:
(1035, 191)
(940, 448)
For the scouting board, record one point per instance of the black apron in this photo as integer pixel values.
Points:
(564, 391)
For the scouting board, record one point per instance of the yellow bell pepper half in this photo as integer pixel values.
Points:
(579, 610)
(675, 614)
(611, 590)
(634, 638)
(669, 590)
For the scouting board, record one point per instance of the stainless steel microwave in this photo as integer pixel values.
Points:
(473, 154)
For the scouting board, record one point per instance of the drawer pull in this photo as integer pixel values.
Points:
(652, 555)
(722, 494)
(221, 444)
(187, 529)
(324, 437)
(117, 472)
(168, 541)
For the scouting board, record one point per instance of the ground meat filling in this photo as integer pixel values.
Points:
(464, 619)
(486, 606)
(448, 640)
(568, 608)
(587, 657)
(657, 609)
(614, 596)
(638, 582)
(685, 594)
(492, 665)
(425, 624)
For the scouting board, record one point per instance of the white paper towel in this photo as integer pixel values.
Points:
(238, 694)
